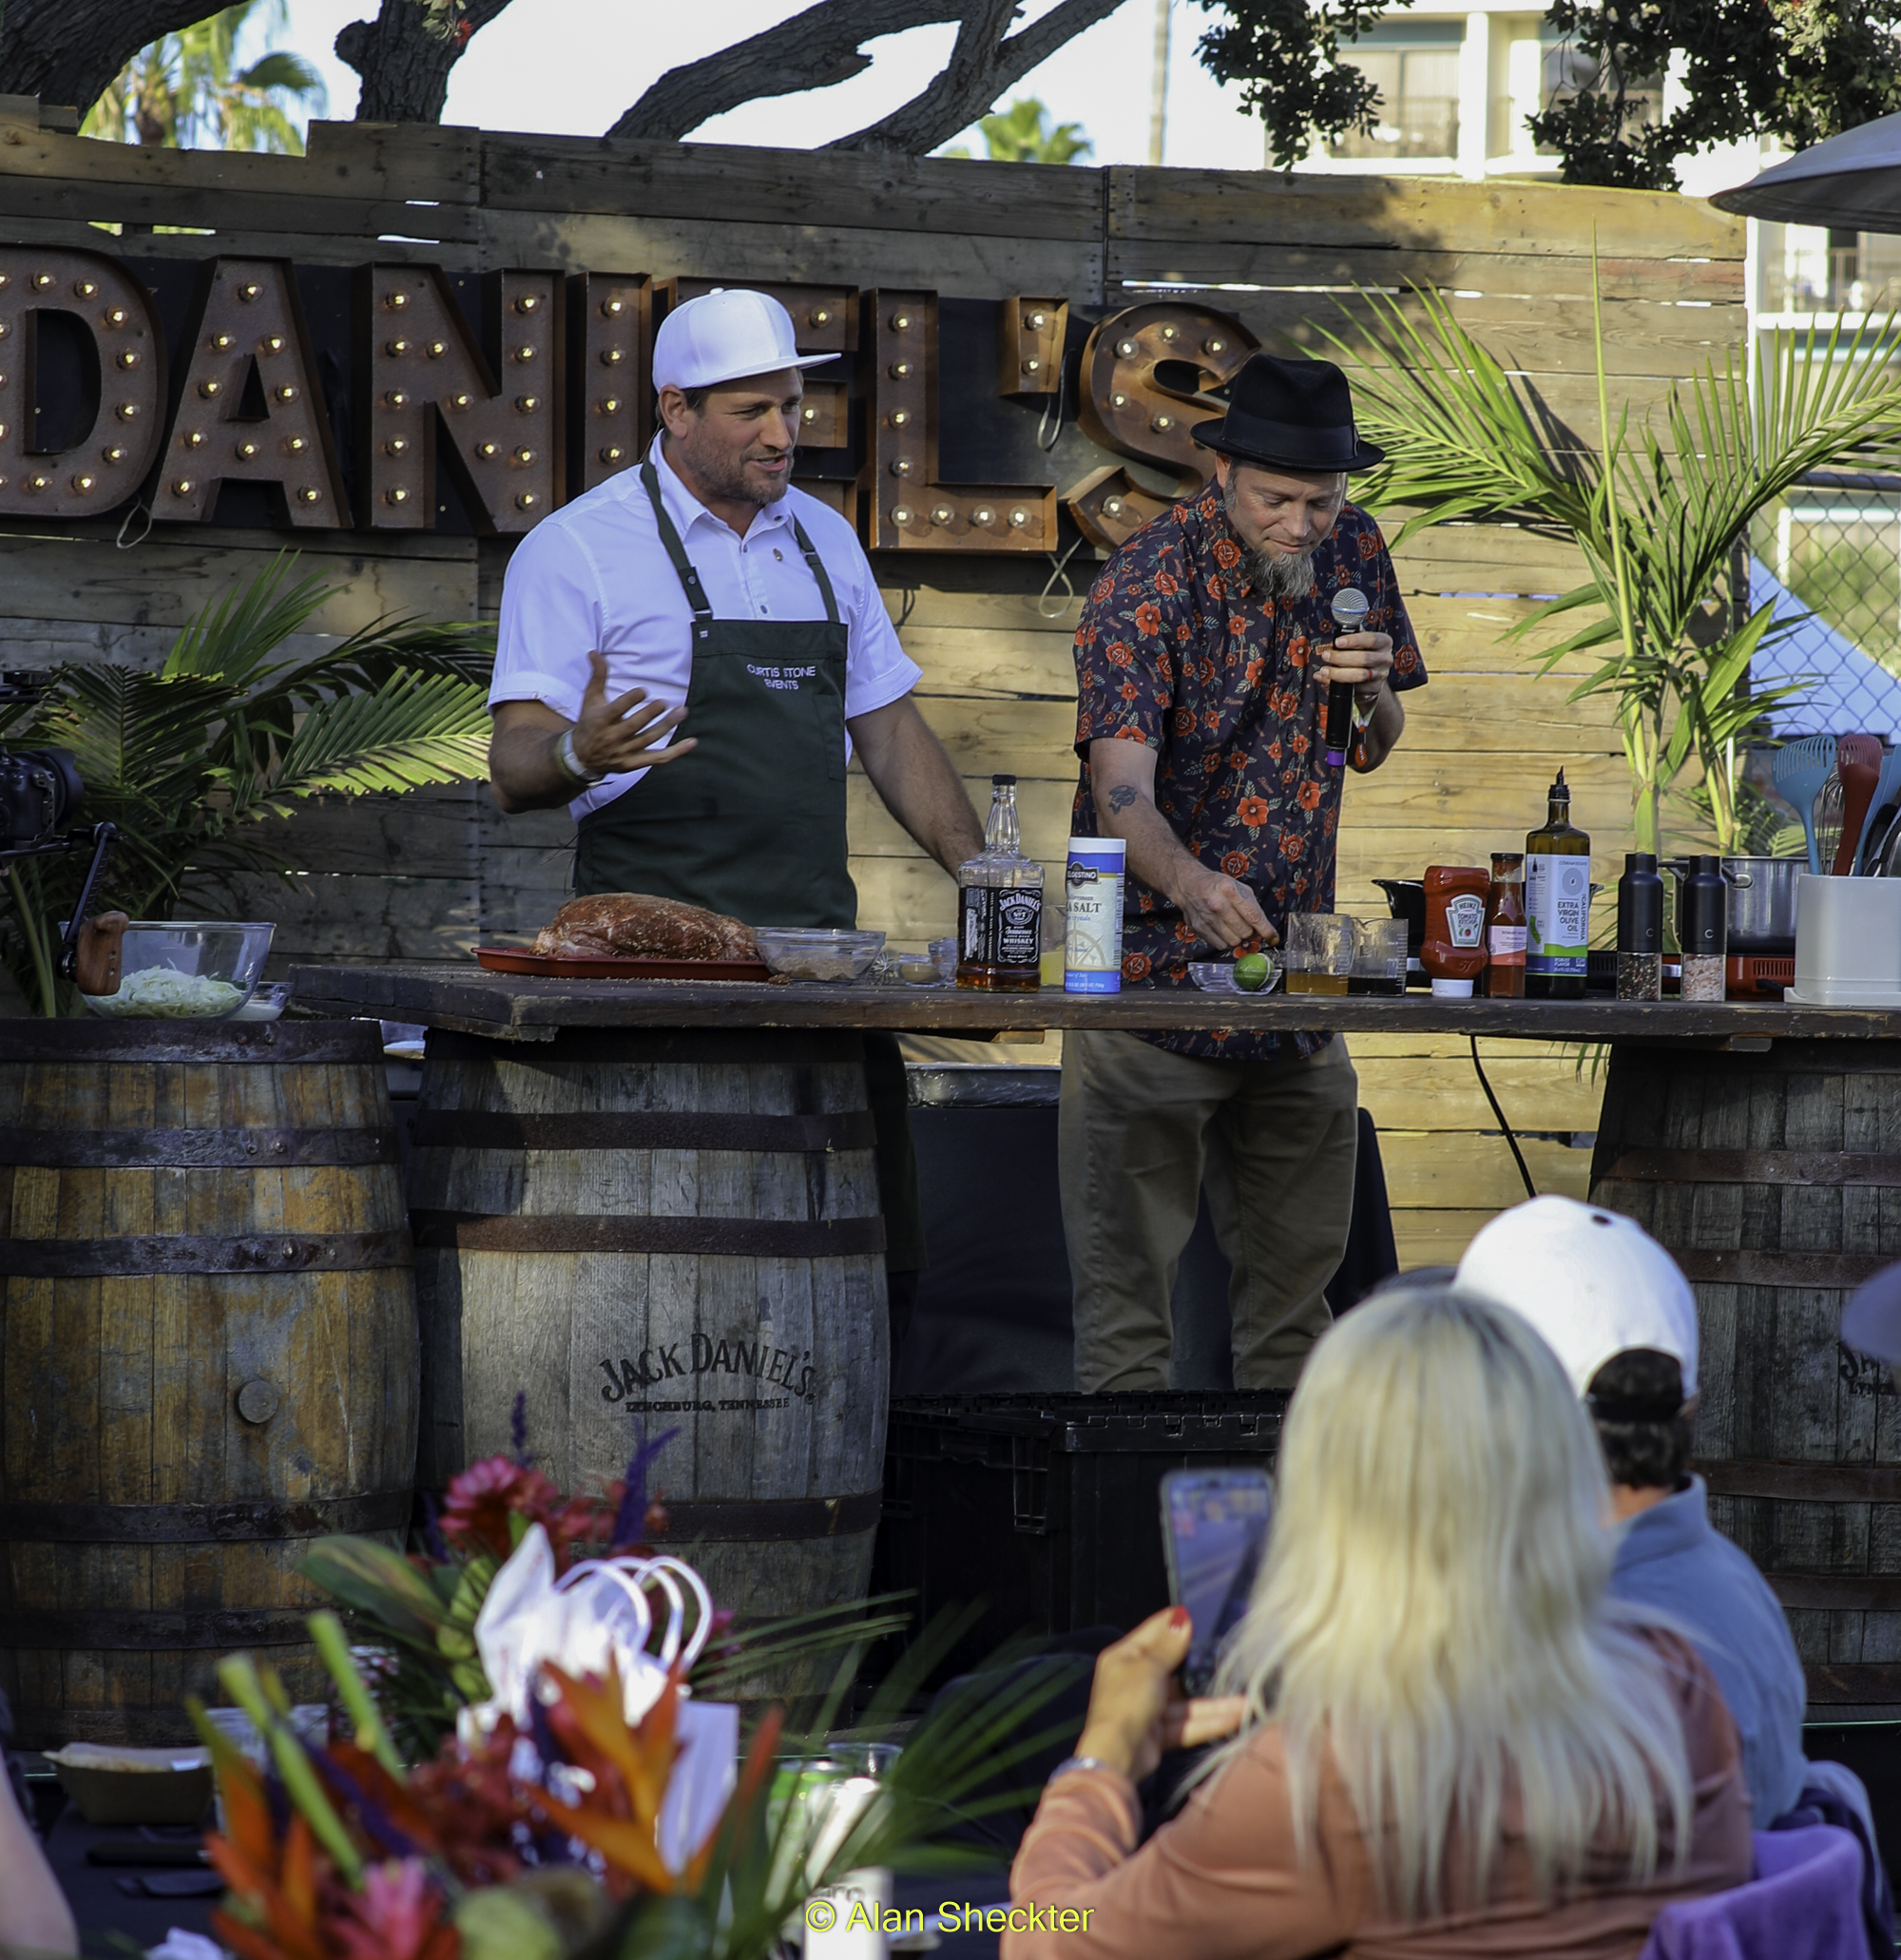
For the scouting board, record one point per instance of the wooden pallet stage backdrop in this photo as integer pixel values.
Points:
(422, 878)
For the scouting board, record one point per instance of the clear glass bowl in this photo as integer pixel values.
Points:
(185, 970)
(815, 953)
(1218, 976)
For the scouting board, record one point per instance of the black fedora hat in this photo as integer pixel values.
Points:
(1290, 415)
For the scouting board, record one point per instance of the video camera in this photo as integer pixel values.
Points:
(40, 790)
(40, 794)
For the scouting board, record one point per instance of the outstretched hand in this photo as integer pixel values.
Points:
(612, 737)
(1135, 1706)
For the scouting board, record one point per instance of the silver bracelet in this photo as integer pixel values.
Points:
(1075, 1763)
(571, 765)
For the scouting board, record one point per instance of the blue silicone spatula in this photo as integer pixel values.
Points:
(1802, 767)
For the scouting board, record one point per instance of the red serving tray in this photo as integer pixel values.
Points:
(517, 959)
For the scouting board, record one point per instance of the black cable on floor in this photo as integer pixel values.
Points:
(1517, 1155)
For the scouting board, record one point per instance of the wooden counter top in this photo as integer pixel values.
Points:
(509, 1007)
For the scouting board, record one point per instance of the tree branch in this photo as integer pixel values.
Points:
(981, 69)
(404, 66)
(69, 50)
(813, 50)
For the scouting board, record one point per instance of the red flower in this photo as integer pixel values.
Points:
(1135, 966)
(1185, 933)
(1227, 553)
(1310, 796)
(1148, 618)
(1217, 585)
(1253, 670)
(1211, 761)
(1369, 545)
(1236, 864)
(1102, 591)
(1297, 742)
(1120, 654)
(1297, 650)
(479, 1503)
(1292, 844)
(1239, 628)
(1165, 584)
(1254, 812)
(1185, 631)
(1184, 720)
(1205, 672)
(1129, 690)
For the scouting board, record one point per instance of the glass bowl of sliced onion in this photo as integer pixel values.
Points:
(185, 970)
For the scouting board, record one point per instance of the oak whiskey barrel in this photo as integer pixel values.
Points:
(644, 1231)
(207, 1354)
(1775, 1179)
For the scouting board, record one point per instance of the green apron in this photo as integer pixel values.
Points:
(752, 821)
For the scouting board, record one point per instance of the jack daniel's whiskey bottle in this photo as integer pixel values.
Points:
(1000, 904)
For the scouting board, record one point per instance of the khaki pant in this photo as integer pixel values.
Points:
(1142, 1131)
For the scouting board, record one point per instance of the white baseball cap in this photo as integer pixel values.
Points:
(1593, 1282)
(725, 336)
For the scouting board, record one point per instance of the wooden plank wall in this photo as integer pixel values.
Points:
(423, 878)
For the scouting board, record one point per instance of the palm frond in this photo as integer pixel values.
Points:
(414, 731)
(232, 637)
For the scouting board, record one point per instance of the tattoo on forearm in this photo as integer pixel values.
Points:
(1122, 797)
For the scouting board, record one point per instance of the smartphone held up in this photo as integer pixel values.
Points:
(1214, 1528)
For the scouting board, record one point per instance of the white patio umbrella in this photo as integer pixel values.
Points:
(1851, 183)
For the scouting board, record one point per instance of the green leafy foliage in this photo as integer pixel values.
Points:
(1288, 54)
(1658, 522)
(1020, 135)
(1797, 69)
(185, 91)
(232, 730)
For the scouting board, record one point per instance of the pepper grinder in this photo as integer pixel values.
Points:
(1703, 927)
(1640, 929)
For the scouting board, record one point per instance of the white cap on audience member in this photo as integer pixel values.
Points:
(1593, 1282)
(725, 336)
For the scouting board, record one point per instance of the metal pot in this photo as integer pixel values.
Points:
(1762, 903)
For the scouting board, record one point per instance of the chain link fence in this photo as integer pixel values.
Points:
(1832, 549)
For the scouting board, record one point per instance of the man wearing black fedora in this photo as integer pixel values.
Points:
(1203, 660)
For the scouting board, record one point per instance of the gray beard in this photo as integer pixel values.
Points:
(1282, 574)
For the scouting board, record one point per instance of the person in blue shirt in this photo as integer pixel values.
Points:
(1617, 1310)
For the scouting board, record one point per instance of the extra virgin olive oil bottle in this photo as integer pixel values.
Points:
(1557, 903)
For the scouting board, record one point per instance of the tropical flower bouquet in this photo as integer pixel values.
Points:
(417, 1614)
(528, 1761)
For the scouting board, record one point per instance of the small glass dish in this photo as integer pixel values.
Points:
(920, 970)
(185, 970)
(944, 953)
(1218, 976)
(267, 1002)
(818, 952)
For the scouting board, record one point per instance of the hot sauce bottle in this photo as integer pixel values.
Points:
(1505, 928)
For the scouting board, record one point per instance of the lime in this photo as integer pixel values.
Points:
(1252, 972)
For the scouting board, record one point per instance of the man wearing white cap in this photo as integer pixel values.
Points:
(703, 594)
(1616, 1309)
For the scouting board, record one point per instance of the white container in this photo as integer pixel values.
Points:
(1848, 942)
(1092, 942)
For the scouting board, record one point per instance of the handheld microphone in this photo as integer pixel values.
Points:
(1350, 611)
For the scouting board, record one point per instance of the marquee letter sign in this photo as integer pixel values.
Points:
(249, 407)
(431, 396)
(553, 394)
(907, 508)
(124, 401)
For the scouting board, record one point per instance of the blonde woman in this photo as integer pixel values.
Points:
(1447, 1739)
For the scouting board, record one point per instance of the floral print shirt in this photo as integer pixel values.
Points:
(1175, 650)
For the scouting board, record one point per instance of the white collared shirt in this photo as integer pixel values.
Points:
(595, 574)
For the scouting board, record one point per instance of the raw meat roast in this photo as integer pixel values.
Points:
(634, 925)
